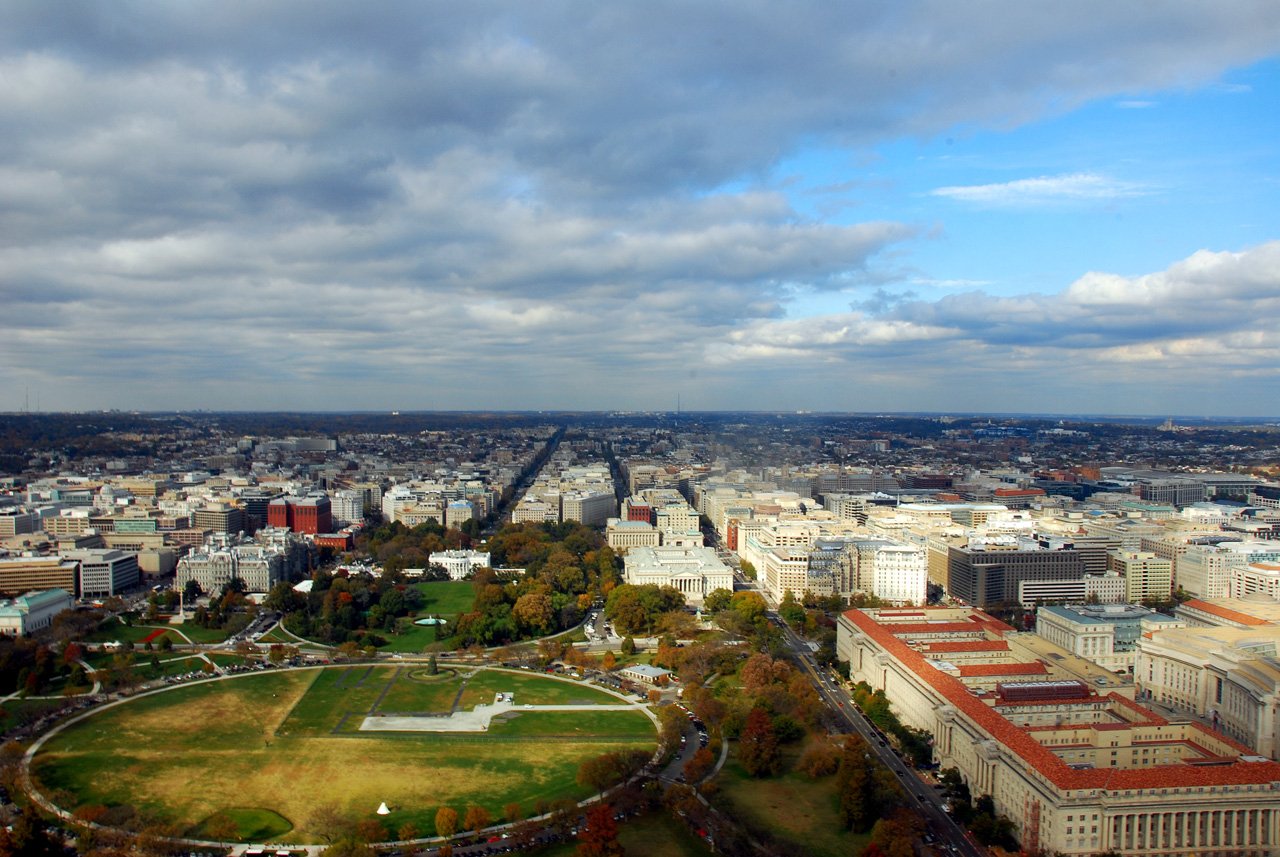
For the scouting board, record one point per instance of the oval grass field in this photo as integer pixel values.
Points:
(253, 757)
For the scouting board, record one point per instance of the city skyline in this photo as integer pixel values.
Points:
(918, 209)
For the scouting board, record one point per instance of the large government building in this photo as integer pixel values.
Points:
(695, 571)
(1079, 767)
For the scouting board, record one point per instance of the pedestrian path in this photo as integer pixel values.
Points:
(476, 720)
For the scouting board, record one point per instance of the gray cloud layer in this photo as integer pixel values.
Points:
(511, 205)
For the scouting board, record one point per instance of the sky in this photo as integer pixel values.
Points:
(876, 206)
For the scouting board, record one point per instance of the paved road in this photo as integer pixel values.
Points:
(927, 800)
(692, 743)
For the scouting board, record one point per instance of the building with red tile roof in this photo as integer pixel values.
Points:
(1110, 775)
(1002, 670)
(1220, 615)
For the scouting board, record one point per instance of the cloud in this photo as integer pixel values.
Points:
(1075, 187)
(1203, 326)
(495, 204)
(952, 283)
(1206, 295)
(1137, 105)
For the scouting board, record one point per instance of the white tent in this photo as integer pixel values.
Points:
(382, 809)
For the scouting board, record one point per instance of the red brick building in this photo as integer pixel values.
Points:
(641, 512)
(313, 515)
(337, 541)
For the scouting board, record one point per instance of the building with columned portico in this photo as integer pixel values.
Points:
(695, 571)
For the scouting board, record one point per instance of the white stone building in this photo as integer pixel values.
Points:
(461, 564)
(214, 565)
(696, 572)
(33, 611)
(624, 535)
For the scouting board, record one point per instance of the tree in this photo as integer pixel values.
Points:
(533, 613)
(610, 661)
(477, 818)
(787, 728)
(72, 653)
(718, 600)
(512, 813)
(758, 747)
(446, 822)
(370, 830)
(78, 677)
(628, 646)
(329, 823)
(29, 837)
(600, 836)
(408, 831)
(791, 611)
(191, 592)
(820, 760)
(595, 773)
(896, 834)
(854, 786)
(348, 846)
(433, 666)
(749, 604)
(699, 765)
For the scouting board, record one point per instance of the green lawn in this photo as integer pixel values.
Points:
(268, 736)
(201, 635)
(115, 630)
(275, 635)
(335, 693)
(532, 688)
(414, 638)
(446, 598)
(440, 598)
(421, 695)
(575, 723)
(252, 825)
(801, 812)
(101, 660)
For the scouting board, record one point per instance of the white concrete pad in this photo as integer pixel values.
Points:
(477, 720)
